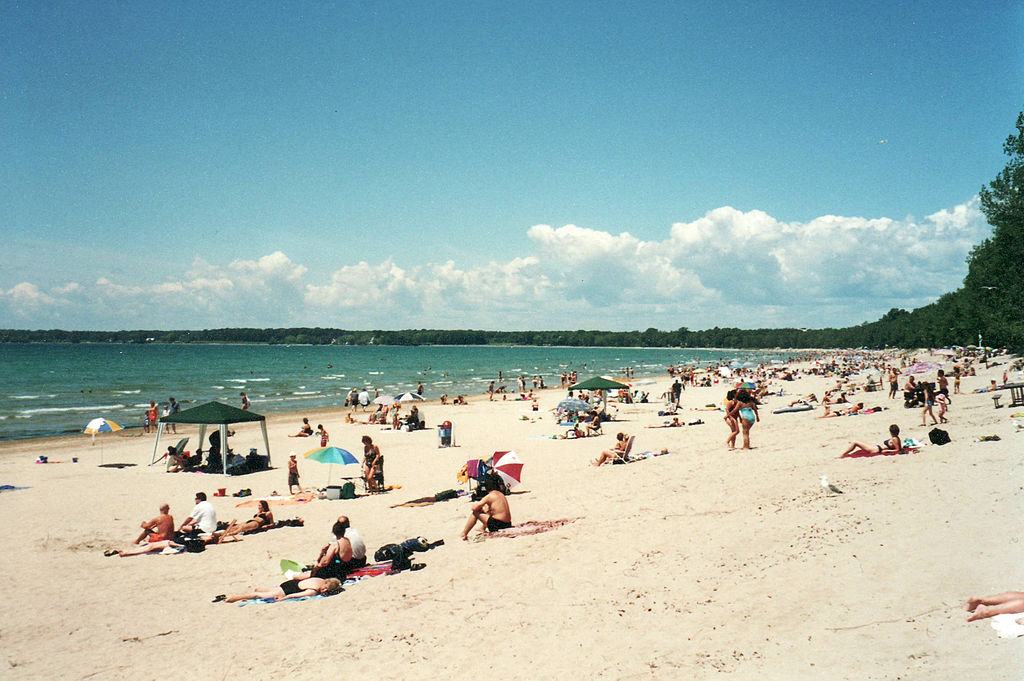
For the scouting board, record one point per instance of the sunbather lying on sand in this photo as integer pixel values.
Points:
(293, 588)
(1009, 603)
(894, 445)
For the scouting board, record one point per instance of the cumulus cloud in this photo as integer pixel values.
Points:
(725, 268)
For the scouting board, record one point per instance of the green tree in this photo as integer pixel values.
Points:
(994, 285)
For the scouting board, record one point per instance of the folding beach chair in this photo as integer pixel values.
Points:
(624, 456)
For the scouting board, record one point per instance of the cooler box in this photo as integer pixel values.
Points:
(444, 434)
(333, 491)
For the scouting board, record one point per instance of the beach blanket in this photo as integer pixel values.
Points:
(267, 601)
(10, 488)
(1006, 625)
(526, 529)
(354, 577)
(293, 500)
(643, 456)
(426, 501)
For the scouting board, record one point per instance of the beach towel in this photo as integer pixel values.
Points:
(10, 488)
(526, 529)
(426, 501)
(293, 500)
(1006, 625)
(267, 601)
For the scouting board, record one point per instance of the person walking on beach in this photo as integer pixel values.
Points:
(730, 420)
(245, 402)
(322, 432)
(293, 474)
(929, 402)
(744, 410)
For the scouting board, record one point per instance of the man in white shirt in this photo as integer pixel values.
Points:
(203, 516)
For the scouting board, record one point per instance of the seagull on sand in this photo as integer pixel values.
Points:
(829, 487)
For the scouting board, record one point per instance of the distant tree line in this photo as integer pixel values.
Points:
(988, 309)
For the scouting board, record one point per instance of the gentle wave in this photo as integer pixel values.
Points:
(29, 397)
(28, 413)
(127, 392)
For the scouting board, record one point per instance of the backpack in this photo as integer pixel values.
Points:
(938, 437)
(398, 556)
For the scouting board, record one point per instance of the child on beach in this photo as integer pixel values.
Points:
(943, 403)
(293, 474)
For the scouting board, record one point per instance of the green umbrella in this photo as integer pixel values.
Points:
(599, 383)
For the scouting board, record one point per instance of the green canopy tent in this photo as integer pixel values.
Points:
(600, 383)
(211, 414)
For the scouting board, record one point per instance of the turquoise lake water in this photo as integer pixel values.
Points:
(55, 389)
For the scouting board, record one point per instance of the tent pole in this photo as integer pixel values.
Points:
(224, 448)
(156, 445)
(266, 442)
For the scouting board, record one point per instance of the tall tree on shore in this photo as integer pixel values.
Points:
(994, 284)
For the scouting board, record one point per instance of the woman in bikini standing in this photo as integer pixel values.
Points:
(730, 420)
(744, 410)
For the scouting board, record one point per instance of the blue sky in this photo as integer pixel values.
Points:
(495, 165)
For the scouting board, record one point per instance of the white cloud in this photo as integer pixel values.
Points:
(725, 268)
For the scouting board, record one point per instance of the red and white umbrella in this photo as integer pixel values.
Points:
(508, 466)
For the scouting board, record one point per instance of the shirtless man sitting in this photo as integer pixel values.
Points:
(159, 528)
(492, 512)
(156, 534)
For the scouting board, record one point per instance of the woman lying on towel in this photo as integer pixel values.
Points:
(293, 588)
(894, 445)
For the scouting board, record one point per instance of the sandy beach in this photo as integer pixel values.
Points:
(700, 562)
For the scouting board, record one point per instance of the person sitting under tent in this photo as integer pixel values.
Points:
(492, 511)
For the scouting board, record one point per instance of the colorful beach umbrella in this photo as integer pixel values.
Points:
(408, 397)
(573, 405)
(331, 455)
(747, 385)
(100, 425)
(508, 466)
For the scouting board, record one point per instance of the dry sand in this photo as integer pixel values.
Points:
(685, 566)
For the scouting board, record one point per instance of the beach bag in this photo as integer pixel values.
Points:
(194, 545)
(348, 491)
(398, 556)
(938, 437)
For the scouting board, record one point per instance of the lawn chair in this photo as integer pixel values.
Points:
(175, 455)
(624, 456)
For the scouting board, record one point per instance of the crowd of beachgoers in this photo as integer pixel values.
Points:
(681, 423)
